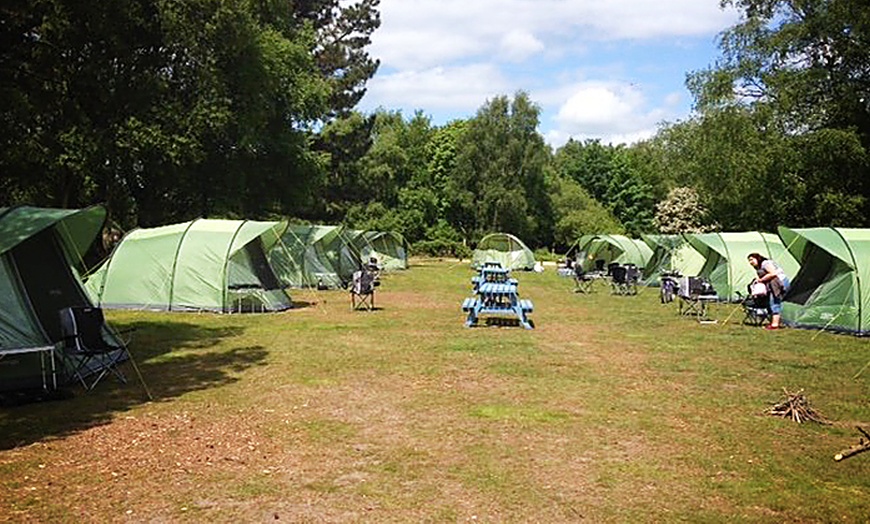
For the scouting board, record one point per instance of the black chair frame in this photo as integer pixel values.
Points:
(90, 356)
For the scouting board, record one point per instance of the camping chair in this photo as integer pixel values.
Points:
(756, 306)
(668, 287)
(582, 280)
(362, 290)
(624, 279)
(84, 346)
(695, 294)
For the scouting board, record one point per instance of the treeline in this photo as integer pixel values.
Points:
(236, 108)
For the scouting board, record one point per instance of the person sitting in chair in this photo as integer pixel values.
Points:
(373, 269)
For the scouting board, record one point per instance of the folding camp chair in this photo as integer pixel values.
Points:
(362, 290)
(624, 279)
(668, 288)
(756, 306)
(582, 280)
(695, 295)
(90, 356)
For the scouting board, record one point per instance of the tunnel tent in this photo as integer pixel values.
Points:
(831, 290)
(202, 265)
(671, 254)
(725, 264)
(344, 252)
(597, 251)
(41, 254)
(388, 247)
(505, 249)
(314, 256)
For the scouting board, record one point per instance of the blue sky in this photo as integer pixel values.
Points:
(605, 69)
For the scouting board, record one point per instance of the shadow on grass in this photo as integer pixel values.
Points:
(302, 304)
(174, 358)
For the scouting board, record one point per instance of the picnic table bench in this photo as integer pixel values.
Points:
(477, 280)
(496, 294)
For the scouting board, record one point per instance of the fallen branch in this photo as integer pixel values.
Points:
(860, 447)
(796, 407)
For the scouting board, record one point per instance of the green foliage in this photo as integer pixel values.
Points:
(442, 240)
(800, 69)
(498, 181)
(576, 213)
(588, 163)
(830, 189)
(343, 32)
(732, 157)
(183, 109)
(618, 177)
(630, 197)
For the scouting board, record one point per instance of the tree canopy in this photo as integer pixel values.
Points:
(167, 111)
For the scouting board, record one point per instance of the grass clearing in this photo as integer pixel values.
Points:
(613, 409)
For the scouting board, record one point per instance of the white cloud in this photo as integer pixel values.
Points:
(597, 106)
(583, 61)
(520, 45)
(613, 112)
(463, 88)
(420, 33)
(673, 99)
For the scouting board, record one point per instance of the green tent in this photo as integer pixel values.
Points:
(592, 251)
(314, 256)
(40, 260)
(389, 248)
(725, 264)
(671, 254)
(203, 265)
(832, 288)
(504, 248)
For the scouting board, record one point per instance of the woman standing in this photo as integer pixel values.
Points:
(772, 276)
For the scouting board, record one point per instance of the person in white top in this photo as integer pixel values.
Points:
(772, 276)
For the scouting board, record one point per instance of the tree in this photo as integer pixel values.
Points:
(576, 213)
(737, 161)
(498, 181)
(681, 212)
(629, 196)
(807, 58)
(802, 64)
(171, 110)
(589, 163)
(343, 31)
(343, 142)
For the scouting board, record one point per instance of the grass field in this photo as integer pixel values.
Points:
(614, 409)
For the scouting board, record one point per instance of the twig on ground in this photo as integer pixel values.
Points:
(860, 447)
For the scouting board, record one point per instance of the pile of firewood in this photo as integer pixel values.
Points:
(796, 407)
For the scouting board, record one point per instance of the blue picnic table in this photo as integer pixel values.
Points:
(496, 294)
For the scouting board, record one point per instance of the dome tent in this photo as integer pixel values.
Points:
(388, 247)
(593, 250)
(203, 265)
(504, 248)
(832, 288)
